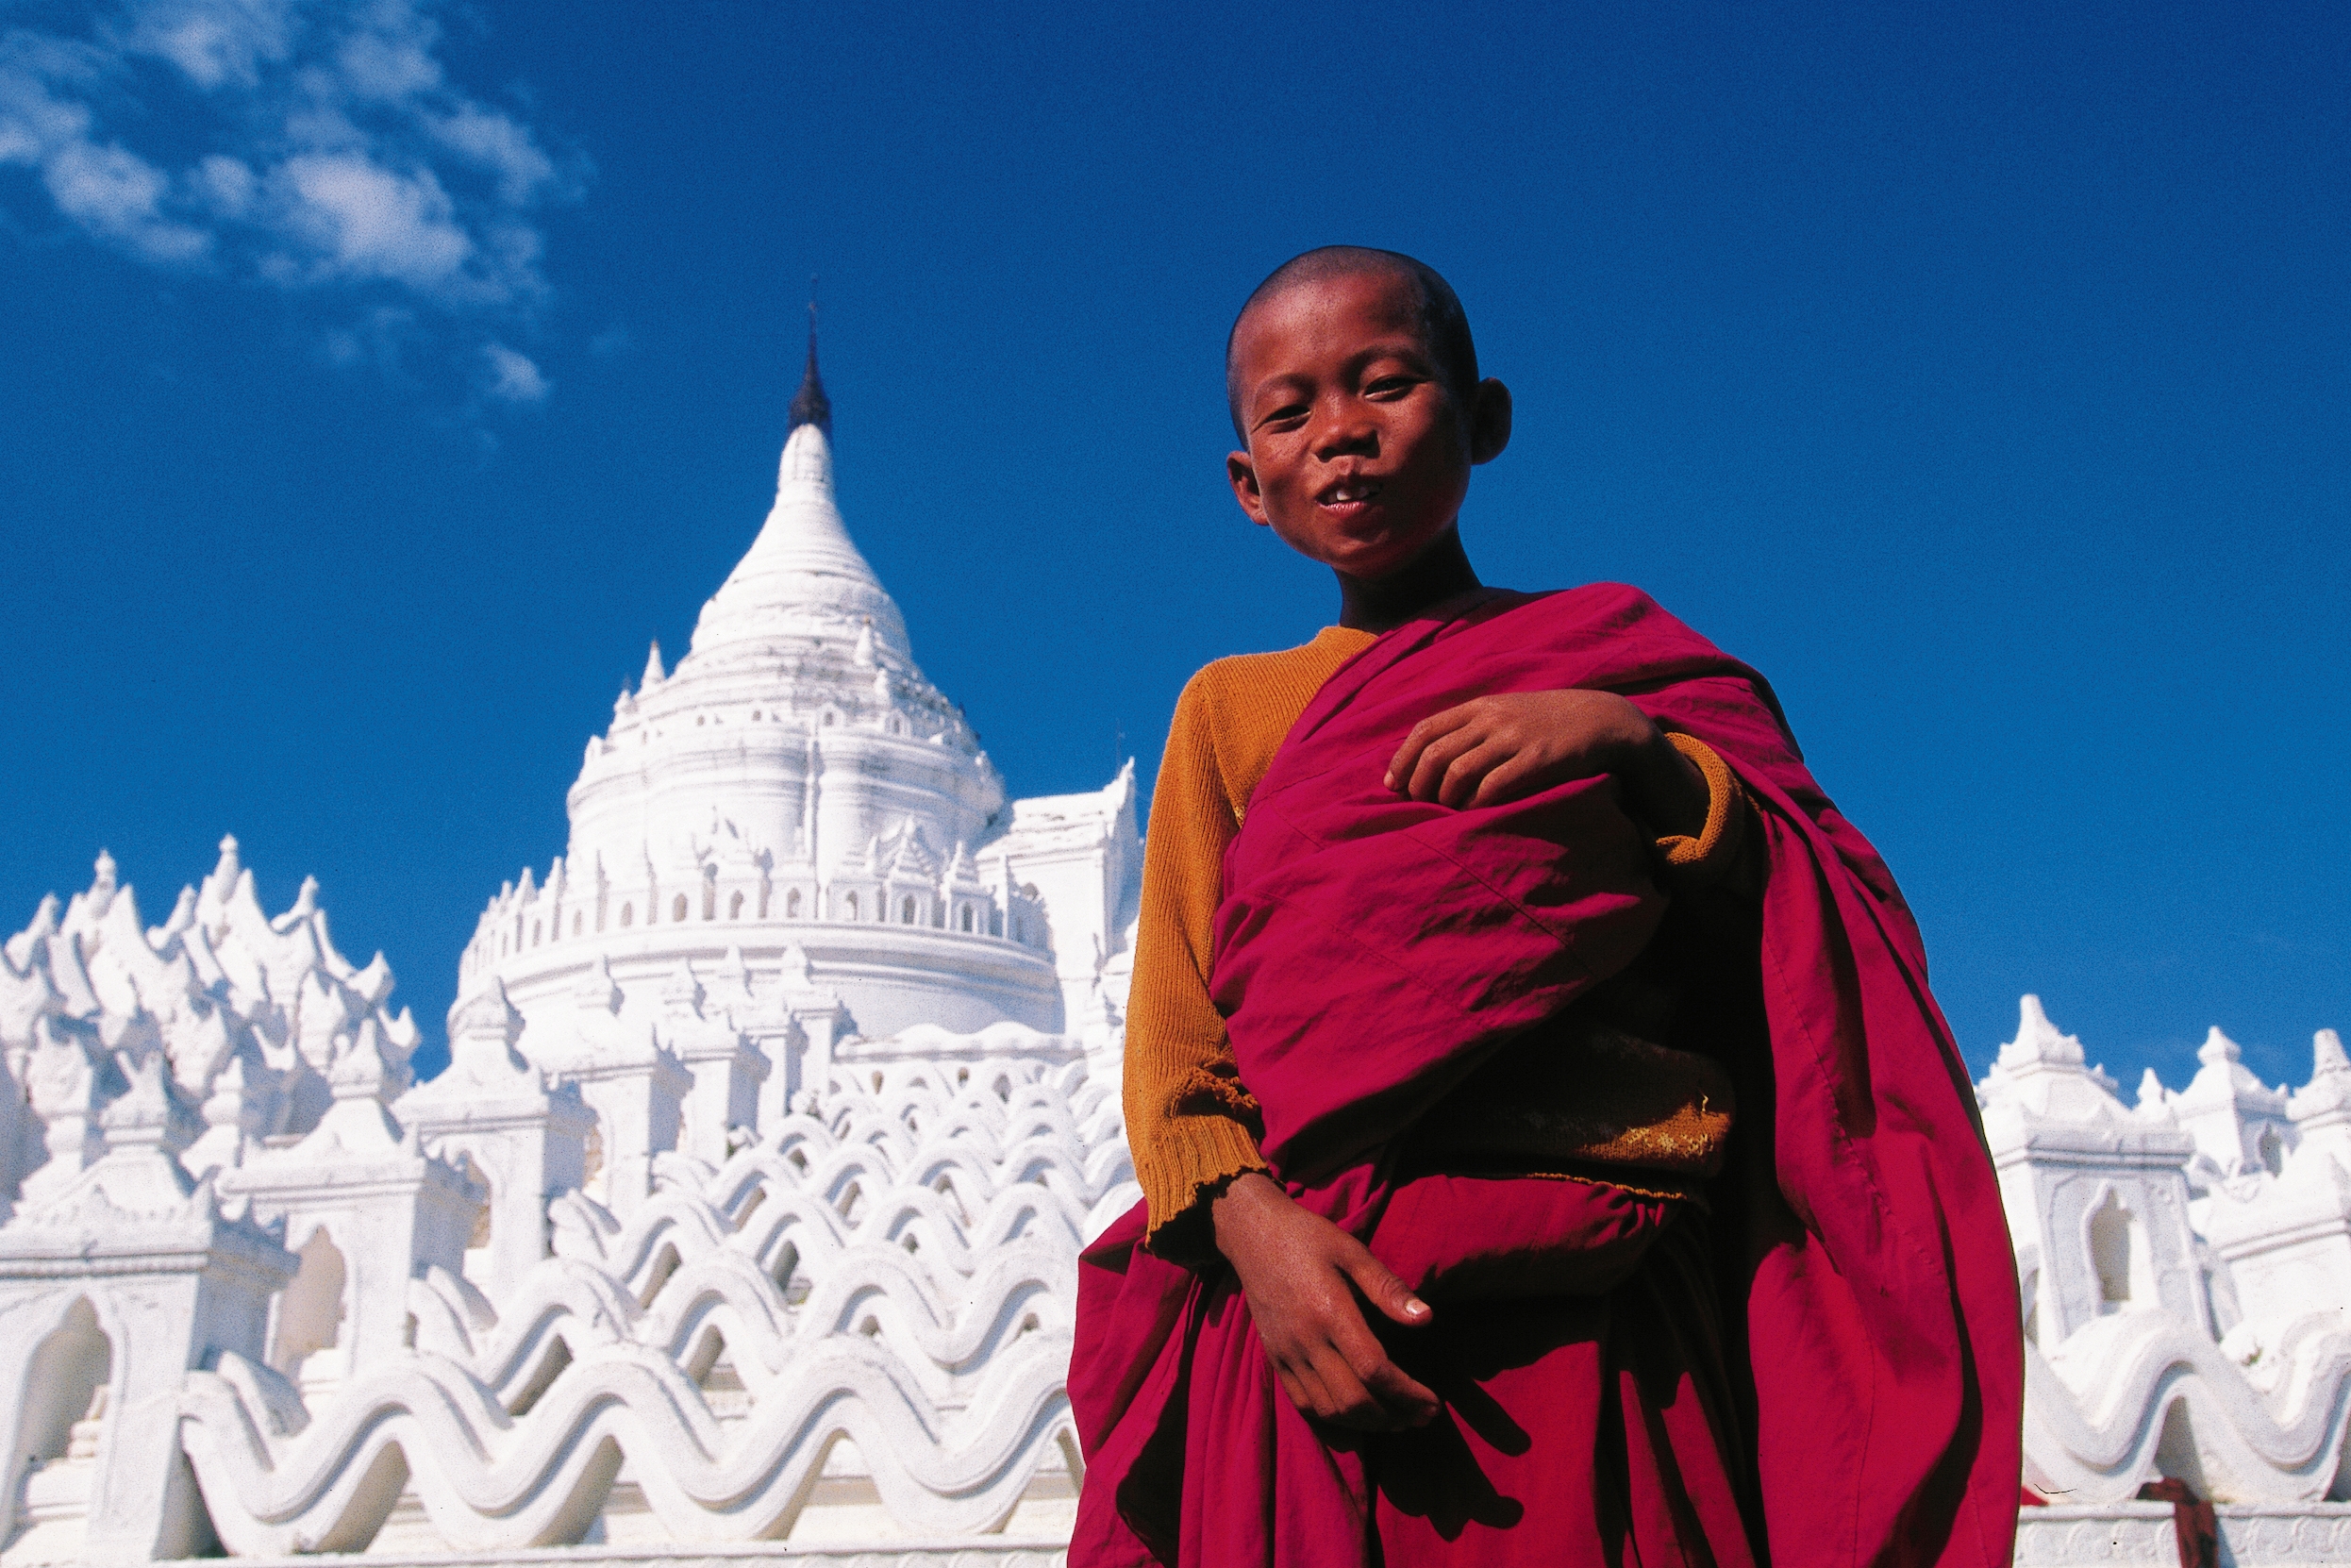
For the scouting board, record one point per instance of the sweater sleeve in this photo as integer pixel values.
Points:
(1709, 858)
(1191, 1125)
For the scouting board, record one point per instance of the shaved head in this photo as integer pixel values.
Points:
(1445, 325)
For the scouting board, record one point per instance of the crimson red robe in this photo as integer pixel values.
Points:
(1826, 1369)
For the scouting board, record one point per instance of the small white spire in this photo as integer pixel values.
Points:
(2327, 1054)
(102, 886)
(366, 1070)
(652, 668)
(598, 990)
(682, 992)
(183, 916)
(483, 1027)
(2038, 1040)
(2324, 1102)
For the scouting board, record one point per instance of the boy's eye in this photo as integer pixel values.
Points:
(1392, 385)
(1287, 413)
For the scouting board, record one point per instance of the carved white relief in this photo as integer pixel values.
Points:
(423, 1321)
(2186, 1288)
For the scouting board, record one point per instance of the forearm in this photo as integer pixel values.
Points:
(1248, 1193)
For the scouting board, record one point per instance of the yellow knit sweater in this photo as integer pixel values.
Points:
(1191, 1125)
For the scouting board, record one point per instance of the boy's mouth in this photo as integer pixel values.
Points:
(1342, 492)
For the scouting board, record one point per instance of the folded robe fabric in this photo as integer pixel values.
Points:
(1373, 952)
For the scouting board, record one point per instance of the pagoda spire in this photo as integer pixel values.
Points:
(809, 406)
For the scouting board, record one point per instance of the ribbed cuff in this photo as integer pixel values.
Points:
(1194, 1160)
(1697, 861)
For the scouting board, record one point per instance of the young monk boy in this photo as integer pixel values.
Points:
(1551, 1151)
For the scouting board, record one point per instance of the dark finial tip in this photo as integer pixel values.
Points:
(809, 406)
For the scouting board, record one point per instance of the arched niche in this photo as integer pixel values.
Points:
(63, 1380)
(310, 1311)
(2119, 1259)
(485, 1217)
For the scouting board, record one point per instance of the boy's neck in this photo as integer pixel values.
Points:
(1439, 573)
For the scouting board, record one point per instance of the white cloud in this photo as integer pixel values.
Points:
(337, 156)
(119, 195)
(214, 42)
(226, 184)
(32, 117)
(497, 143)
(355, 218)
(513, 376)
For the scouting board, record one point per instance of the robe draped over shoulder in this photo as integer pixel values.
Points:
(1864, 1369)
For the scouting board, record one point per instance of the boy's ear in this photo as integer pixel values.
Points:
(1242, 474)
(1490, 421)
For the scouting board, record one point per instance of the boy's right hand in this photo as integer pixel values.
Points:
(1302, 1276)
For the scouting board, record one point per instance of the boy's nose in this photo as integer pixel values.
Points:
(1347, 434)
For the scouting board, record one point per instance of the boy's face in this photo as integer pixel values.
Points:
(1358, 452)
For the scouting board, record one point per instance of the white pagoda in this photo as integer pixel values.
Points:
(795, 804)
(745, 1215)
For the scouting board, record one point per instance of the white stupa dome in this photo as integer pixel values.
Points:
(795, 796)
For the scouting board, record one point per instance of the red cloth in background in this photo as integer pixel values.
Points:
(1882, 1380)
(2195, 1527)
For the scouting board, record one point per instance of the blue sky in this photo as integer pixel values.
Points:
(378, 379)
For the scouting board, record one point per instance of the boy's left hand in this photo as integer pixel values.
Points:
(1494, 749)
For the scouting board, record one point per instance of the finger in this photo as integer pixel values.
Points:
(1388, 1294)
(1429, 774)
(1395, 1397)
(1462, 776)
(1347, 1349)
(1400, 765)
(1405, 1398)
(1513, 778)
(1322, 1384)
(1296, 1388)
(1352, 1403)
(1326, 1388)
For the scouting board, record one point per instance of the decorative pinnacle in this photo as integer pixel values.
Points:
(2038, 1040)
(809, 406)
